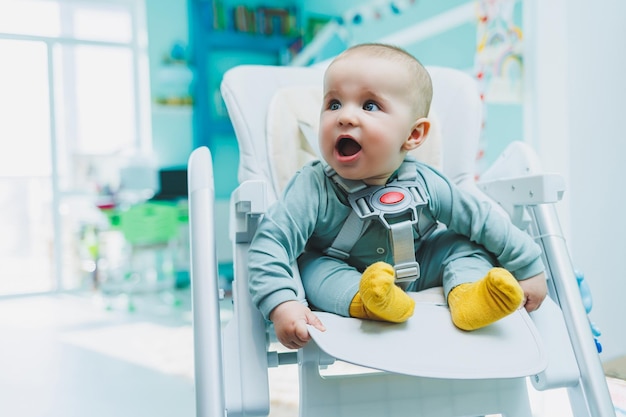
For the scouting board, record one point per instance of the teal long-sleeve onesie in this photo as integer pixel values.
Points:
(471, 238)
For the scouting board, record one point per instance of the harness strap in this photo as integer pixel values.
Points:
(406, 267)
(349, 186)
(407, 172)
(349, 234)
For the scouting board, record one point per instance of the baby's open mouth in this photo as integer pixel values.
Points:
(348, 147)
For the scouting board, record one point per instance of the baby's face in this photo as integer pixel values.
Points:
(367, 117)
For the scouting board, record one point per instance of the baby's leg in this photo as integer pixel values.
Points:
(478, 294)
(332, 285)
(329, 283)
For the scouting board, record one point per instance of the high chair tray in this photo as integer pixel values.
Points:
(429, 345)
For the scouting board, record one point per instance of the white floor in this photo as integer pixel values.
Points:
(70, 356)
(66, 356)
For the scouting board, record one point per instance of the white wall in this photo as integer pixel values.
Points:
(597, 95)
(576, 119)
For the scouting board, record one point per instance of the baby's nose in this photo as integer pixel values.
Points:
(348, 116)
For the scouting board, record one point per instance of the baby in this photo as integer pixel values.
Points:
(375, 110)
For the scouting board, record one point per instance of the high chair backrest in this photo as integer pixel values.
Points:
(273, 142)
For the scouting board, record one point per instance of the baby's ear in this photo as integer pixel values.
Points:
(419, 133)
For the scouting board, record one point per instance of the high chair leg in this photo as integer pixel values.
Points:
(591, 395)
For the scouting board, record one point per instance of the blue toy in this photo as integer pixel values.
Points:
(585, 293)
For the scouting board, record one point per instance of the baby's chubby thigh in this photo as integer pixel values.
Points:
(448, 259)
(330, 284)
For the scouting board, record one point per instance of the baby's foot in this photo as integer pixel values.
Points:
(478, 304)
(379, 298)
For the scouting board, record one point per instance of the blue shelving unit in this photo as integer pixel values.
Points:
(206, 45)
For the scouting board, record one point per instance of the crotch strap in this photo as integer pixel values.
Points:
(397, 205)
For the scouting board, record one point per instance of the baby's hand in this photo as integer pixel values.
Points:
(290, 319)
(535, 291)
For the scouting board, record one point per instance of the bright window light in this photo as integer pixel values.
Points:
(30, 17)
(70, 106)
(24, 110)
(105, 100)
(93, 23)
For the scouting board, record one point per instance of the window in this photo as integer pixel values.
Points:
(73, 98)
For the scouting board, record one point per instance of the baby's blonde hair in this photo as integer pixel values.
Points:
(421, 85)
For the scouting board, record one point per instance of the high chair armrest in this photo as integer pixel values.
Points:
(516, 193)
(248, 203)
(525, 191)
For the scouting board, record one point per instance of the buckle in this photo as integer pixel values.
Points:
(388, 202)
(407, 272)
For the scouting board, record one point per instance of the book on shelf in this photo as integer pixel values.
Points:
(262, 20)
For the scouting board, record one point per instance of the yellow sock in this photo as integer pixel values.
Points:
(478, 304)
(379, 298)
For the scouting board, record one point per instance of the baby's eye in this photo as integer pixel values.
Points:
(370, 106)
(334, 105)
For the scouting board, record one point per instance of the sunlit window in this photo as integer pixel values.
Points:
(102, 97)
(79, 19)
(24, 109)
(96, 24)
(30, 17)
(69, 100)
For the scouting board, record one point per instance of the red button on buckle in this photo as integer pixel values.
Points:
(392, 197)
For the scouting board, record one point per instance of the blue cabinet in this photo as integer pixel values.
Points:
(214, 50)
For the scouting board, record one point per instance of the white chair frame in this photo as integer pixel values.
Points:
(231, 362)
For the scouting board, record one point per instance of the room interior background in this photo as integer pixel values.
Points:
(65, 134)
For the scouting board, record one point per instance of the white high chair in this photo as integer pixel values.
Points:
(425, 367)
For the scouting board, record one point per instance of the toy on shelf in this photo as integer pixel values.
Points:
(174, 78)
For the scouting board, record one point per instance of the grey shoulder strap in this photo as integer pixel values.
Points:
(354, 226)
(349, 234)
(406, 267)
(349, 186)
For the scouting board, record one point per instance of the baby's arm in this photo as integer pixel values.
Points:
(290, 323)
(535, 291)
